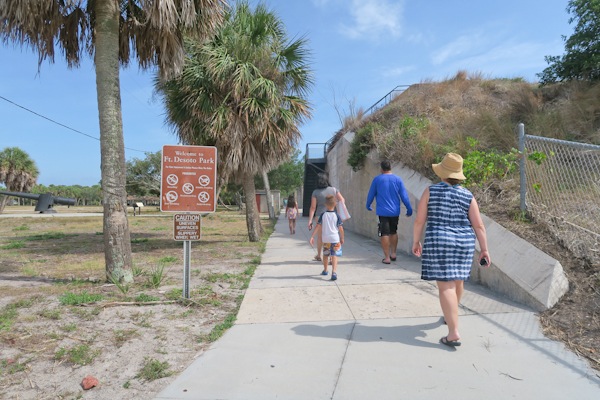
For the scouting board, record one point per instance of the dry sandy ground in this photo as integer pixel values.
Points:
(134, 348)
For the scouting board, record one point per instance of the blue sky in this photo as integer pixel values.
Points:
(360, 50)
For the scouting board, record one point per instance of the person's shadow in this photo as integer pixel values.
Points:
(355, 332)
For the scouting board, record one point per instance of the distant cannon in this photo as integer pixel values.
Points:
(45, 201)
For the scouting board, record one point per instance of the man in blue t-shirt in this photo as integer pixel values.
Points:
(388, 190)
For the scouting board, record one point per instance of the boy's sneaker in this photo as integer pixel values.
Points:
(324, 273)
(333, 276)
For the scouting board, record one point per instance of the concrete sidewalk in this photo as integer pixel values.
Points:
(373, 334)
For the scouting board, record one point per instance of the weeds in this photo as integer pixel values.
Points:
(50, 314)
(221, 328)
(78, 355)
(154, 369)
(142, 319)
(174, 294)
(7, 317)
(86, 314)
(137, 271)
(48, 236)
(120, 336)
(72, 327)
(8, 367)
(122, 286)
(142, 298)
(361, 145)
(17, 244)
(157, 274)
(75, 299)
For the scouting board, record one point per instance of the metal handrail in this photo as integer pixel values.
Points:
(387, 98)
(322, 154)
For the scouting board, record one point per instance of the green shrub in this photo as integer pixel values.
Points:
(361, 145)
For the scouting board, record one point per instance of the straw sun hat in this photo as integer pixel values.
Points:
(450, 167)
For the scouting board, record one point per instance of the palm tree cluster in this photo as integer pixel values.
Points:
(18, 172)
(243, 91)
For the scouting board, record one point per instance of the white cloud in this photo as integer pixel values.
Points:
(499, 60)
(372, 18)
(459, 46)
(397, 71)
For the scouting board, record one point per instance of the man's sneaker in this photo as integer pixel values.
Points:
(334, 276)
(324, 273)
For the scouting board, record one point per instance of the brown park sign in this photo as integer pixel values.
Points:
(187, 227)
(188, 179)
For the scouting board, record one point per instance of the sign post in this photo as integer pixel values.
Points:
(188, 184)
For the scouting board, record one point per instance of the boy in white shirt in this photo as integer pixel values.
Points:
(331, 230)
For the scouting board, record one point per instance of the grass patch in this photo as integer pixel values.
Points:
(143, 297)
(86, 314)
(154, 369)
(220, 329)
(21, 228)
(156, 276)
(123, 335)
(16, 244)
(8, 367)
(174, 294)
(50, 314)
(9, 313)
(49, 236)
(75, 299)
(7, 317)
(82, 354)
(142, 319)
(72, 327)
(213, 277)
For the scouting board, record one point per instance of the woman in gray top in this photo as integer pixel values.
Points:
(317, 205)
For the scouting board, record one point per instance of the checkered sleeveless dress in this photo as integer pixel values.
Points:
(449, 238)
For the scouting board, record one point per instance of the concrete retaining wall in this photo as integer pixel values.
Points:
(519, 271)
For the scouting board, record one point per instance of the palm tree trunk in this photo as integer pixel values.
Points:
(3, 201)
(265, 177)
(117, 243)
(252, 214)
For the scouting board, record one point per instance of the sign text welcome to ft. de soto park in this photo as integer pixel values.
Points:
(188, 179)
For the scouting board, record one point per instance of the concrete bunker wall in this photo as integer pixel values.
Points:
(519, 271)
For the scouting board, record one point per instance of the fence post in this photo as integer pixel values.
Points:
(523, 182)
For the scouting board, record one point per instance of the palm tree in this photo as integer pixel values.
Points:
(112, 32)
(244, 92)
(18, 172)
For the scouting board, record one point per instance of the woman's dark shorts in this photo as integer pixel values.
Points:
(388, 226)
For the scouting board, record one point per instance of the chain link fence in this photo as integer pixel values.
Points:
(560, 186)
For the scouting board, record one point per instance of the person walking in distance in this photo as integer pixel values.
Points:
(330, 231)
(291, 212)
(453, 222)
(317, 205)
(388, 190)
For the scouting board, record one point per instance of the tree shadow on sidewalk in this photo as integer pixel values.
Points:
(356, 332)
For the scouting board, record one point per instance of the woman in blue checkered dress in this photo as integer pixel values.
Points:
(453, 223)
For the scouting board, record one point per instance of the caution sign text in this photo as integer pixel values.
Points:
(186, 227)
